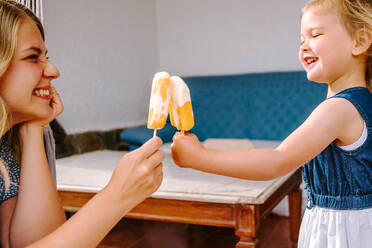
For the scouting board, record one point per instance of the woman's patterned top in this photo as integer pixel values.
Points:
(8, 159)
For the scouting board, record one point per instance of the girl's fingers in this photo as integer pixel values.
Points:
(177, 134)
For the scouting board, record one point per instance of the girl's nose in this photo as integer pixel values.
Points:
(304, 46)
(51, 71)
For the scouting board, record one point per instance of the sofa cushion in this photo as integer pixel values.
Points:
(256, 106)
(139, 135)
(263, 106)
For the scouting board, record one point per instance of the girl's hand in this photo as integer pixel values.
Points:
(138, 174)
(185, 149)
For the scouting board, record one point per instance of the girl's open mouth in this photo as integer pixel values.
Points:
(310, 60)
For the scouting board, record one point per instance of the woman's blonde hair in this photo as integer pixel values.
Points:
(11, 16)
(356, 16)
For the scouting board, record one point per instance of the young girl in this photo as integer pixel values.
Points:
(30, 210)
(334, 144)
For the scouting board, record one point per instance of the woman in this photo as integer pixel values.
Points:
(30, 211)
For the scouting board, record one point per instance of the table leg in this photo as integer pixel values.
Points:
(246, 223)
(294, 202)
(247, 242)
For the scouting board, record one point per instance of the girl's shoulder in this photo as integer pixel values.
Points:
(345, 117)
(357, 100)
(348, 101)
(336, 109)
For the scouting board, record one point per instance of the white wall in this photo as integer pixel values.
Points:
(107, 54)
(108, 51)
(204, 37)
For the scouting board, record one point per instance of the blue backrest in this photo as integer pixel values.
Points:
(256, 105)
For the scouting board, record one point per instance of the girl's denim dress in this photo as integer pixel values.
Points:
(339, 179)
(339, 187)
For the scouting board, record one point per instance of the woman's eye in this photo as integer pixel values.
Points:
(36, 58)
(33, 57)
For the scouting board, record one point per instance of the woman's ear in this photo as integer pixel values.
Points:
(362, 42)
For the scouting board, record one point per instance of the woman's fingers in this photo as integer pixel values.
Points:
(155, 159)
(148, 148)
(56, 102)
(158, 175)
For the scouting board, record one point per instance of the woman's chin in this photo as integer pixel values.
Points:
(44, 114)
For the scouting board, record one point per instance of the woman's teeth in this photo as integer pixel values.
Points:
(41, 92)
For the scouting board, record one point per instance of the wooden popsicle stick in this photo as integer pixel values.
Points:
(154, 132)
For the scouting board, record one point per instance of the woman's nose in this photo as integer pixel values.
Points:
(51, 71)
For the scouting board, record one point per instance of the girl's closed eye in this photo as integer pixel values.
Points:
(315, 35)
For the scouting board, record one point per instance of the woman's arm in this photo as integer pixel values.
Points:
(334, 119)
(137, 175)
(38, 210)
(6, 213)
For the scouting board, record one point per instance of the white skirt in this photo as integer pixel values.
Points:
(328, 228)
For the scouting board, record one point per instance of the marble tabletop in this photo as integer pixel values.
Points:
(90, 172)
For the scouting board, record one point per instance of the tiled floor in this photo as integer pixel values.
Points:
(130, 233)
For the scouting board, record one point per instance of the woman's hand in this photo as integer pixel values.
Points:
(55, 103)
(39, 124)
(185, 149)
(138, 174)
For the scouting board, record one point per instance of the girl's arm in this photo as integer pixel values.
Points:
(334, 119)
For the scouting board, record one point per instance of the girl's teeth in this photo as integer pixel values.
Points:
(311, 60)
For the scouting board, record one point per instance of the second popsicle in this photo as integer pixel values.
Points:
(180, 107)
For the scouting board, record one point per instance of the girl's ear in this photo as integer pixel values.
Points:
(362, 42)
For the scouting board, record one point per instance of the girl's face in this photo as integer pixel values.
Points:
(326, 46)
(25, 86)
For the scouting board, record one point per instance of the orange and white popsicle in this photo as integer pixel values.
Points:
(180, 108)
(159, 101)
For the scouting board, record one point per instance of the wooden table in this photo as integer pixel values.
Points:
(187, 196)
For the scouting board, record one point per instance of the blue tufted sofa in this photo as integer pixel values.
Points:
(258, 106)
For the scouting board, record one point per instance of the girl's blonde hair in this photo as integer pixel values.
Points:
(11, 16)
(356, 16)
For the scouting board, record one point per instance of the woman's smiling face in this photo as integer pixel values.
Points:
(25, 86)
